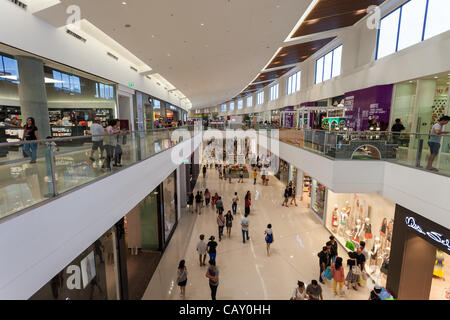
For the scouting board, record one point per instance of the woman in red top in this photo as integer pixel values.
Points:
(338, 275)
(214, 199)
(248, 203)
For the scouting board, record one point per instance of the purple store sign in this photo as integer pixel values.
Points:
(288, 117)
(363, 105)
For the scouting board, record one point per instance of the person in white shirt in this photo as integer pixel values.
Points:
(97, 132)
(201, 249)
(434, 142)
(299, 292)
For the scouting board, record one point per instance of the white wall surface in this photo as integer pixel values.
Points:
(38, 244)
(20, 29)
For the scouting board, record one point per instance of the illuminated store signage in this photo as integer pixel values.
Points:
(411, 222)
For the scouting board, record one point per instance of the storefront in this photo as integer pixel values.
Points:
(352, 218)
(420, 261)
(283, 172)
(318, 192)
(91, 276)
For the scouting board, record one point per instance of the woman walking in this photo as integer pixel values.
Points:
(31, 134)
(248, 202)
(294, 194)
(234, 203)
(207, 197)
(338, 276)
(214, 199)
(286, 197)
(229, 222)
(220, 224)
(269, 238)
(182, 278)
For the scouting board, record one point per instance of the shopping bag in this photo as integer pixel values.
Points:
(350, 245)
(361, 281)
(329, 273)
(384, 294)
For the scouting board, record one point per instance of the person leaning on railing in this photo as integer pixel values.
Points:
(434, 142)
(110, 141)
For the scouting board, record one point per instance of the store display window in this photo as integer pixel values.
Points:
(353, 218)
(170, 205)
(440, 285)
(318, 192)
(91, 276)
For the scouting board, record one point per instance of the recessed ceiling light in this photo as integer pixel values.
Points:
(124, 3)
(202, 24)
(168, 54)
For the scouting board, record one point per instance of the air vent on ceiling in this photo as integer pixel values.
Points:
(149, 78)
(112, 56)
(158, 83)
(73, 34)
(19, 4)
(134, 69)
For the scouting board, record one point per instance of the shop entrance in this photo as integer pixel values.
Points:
(126, 109)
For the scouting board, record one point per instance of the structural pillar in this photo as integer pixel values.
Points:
(32, 93)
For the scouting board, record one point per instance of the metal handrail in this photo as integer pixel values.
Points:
(23, 142)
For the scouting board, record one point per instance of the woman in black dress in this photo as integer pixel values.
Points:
(229, 222)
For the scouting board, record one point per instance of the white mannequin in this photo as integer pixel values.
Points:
(335, 219)
(374, 252)
(343, 222)
(357, 229)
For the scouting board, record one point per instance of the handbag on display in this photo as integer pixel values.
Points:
(350, 245)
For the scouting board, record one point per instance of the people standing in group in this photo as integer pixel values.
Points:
(198, 203)
(255, 176)
(434, 142)
(248, 202)
(333, 248)
(234, 203)
(213, 275)
(324, 261)
(220, 224)
(356, 264)
(201, 249)
(268, 238)
(204, 172)
(31, 134)
(241, 176)
(294, 195)
(212, 245)
(338, 276)
(229, 222)
(219, 205)
(207, 197)
(299, 292)
(285, 197)
(97, 131)
(110, 142)
(182, 277)
(245, 223)
(314, 291)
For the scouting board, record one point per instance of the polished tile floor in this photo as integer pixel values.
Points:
(246, 272)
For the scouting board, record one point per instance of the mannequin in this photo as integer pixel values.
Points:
(390, 230)
(343, 222)
(334, 219)
(357, 230)
(383, 230)
(375, 251)
(347, 209)
(368, 229)
(385, 259)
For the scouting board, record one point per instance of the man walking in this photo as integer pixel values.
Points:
(97, 132)
(235, 203)
(324, 261)
(198, 203)
(213, 275)
(219, 205)
(204, 171)
(245, 223)
(220, 224)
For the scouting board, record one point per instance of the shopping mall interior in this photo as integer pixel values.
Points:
(310, 119)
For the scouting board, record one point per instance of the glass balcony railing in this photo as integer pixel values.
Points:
(67, 163)
(409, 149)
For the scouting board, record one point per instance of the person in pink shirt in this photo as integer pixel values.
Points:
(338, 275)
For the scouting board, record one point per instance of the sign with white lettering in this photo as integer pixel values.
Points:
(436, 236)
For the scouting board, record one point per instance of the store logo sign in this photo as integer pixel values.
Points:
(411, 222)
